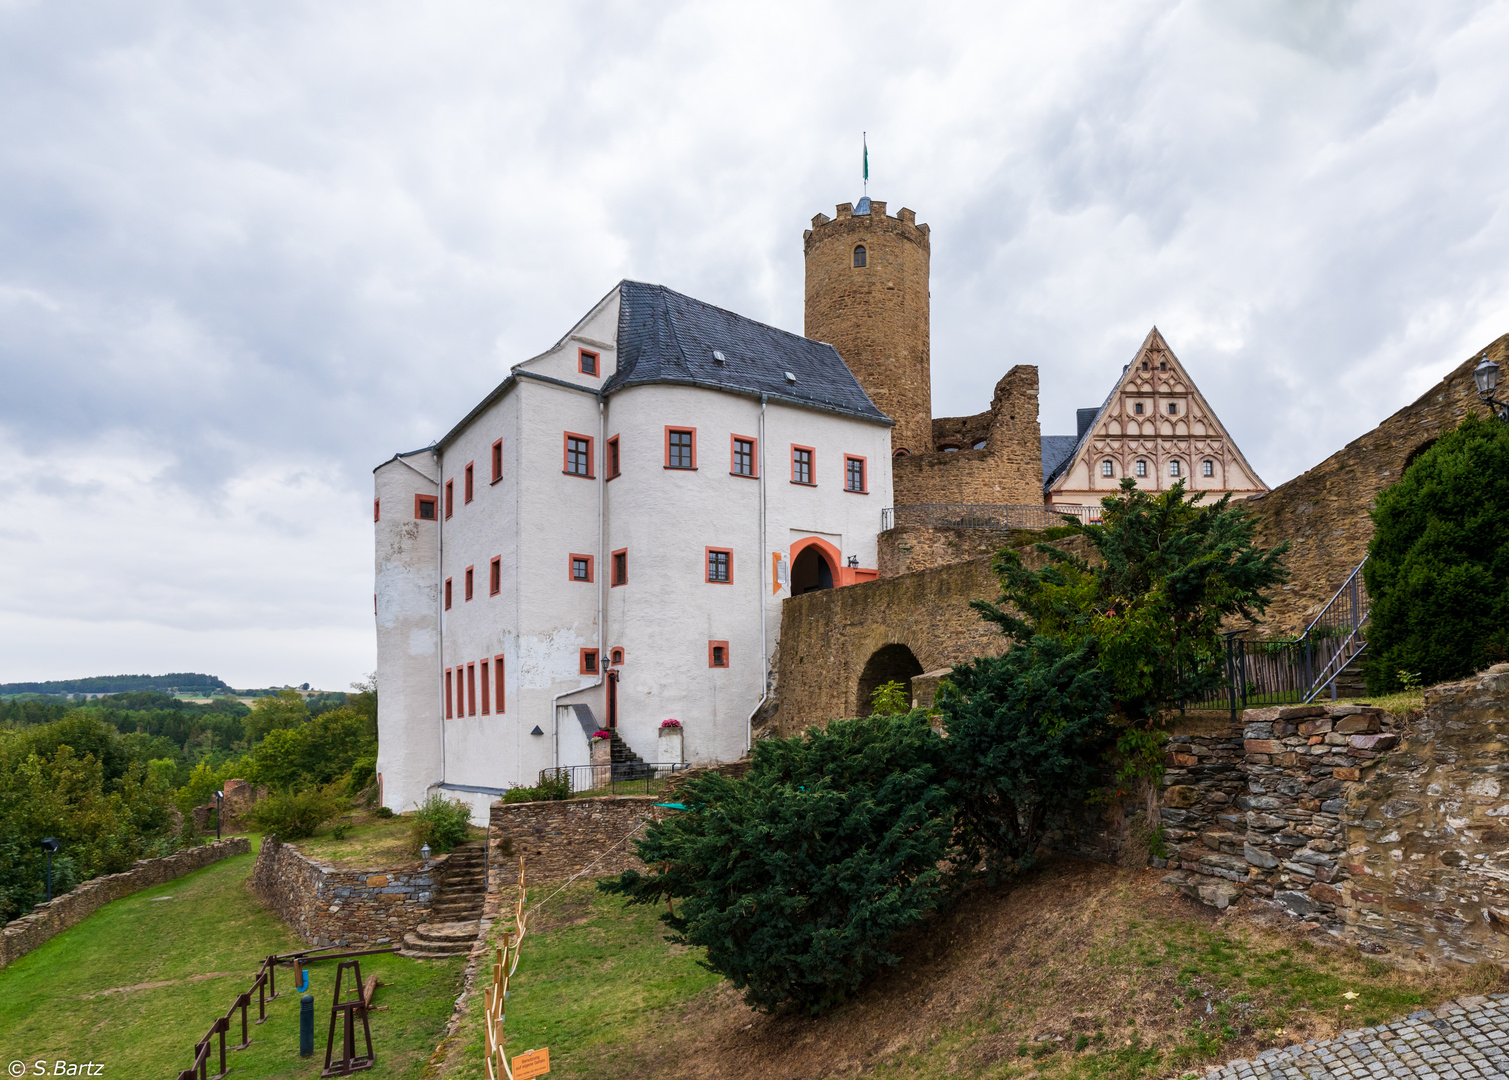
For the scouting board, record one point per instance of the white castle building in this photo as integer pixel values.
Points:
(604, 542)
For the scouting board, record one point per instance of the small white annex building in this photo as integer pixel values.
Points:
(604, 542)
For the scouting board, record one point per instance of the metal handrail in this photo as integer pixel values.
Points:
(614, 777)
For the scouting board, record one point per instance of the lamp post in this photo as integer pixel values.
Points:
(424, 853)
(219, 808)
(50, 843)
(1486, 375)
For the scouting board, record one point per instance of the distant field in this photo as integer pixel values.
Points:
(135, 985)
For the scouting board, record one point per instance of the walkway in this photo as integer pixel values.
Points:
(1466, 1039)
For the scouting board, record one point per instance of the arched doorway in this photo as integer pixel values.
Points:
(811, 571)
(889, 663)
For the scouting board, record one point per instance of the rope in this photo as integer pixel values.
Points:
(591, 864)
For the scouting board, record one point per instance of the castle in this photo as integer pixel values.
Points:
(604, 542)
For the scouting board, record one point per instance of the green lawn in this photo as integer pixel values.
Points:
(91, 993)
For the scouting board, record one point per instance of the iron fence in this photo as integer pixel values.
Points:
(1287, 672)
(984, 516)
(619, 778)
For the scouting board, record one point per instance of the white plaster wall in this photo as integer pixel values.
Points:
(596, 332)
(667, 613)
(407, 632)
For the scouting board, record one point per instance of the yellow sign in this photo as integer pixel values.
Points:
(534, 1063)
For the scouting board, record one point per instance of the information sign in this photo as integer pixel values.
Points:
(534, 1063)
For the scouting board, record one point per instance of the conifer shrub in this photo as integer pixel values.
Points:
(1438, 566)
(797, 878)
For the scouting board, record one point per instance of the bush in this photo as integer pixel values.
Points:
(549, 788)
(383, 812)
(442, 823)
(1438, 566)
(295, 815)
(797, 877)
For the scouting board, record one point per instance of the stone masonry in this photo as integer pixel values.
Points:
(23, 935)
(560, 838)
(1394, 839)
(1006, 471)
(876, 315)
(326, 905)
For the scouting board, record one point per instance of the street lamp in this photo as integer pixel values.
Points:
(1486, 375)
(219, 811)
(424, 853)
(51, 844)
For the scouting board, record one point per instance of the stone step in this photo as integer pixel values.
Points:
(447, 931)
(447, 948)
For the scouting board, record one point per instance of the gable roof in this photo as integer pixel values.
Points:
(1152, 344)
(666, 337)
(1057, 450)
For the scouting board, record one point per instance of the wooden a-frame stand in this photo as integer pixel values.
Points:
(349, 1062)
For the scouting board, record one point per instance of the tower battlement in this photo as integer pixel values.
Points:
(867, 296)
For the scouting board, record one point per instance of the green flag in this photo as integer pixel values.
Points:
(867, 158)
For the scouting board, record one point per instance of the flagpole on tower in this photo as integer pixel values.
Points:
(865, 139)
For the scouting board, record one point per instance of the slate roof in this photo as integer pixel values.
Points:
(1056, 450)
(665, 337)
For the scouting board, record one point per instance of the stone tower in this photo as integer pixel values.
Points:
(867, 296)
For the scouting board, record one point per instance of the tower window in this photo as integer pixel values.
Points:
(1173, 409)
(424, 507)
(588, 662)
(616, 656)
(470, 578)
(720, 566)
(743, 457)
(620, 567)
(680, 448)
(860, 255)
(1106, 468)
(495, 577)
(497, 461)
(450, 497)
(717, 654)
(613, 469)
(1137, 408)
(1207, 468)
(470, 485)
(1173, 468)
(580, 567)
(447, 594)
(854, 474)
(801, 464)
(376, 509)
(578, 455)
(586, 362)
(1141, 467)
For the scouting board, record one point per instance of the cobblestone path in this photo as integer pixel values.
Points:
(1466, 1039)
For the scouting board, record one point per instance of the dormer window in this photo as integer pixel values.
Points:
(860, 256)
(587, 362)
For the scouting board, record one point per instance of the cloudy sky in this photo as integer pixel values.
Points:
(250, 249)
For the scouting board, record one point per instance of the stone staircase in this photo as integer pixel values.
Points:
(627, 765)
(460, 886)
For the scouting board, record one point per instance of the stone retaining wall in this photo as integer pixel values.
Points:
(1397, 840)
(327, 905)
(564, 837)
(23, 935)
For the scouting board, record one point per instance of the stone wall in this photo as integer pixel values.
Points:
(560, 838)
(1394, 839)
(23, 935)
(909, 548)
(326, 905)
(1008, 471)
(1323, 513)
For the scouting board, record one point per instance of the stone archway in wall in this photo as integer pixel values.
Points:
(815, 565)
(894, 662)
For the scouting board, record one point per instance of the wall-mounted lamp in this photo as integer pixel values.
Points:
(1486, 375)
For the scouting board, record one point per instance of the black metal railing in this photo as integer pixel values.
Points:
(984, 516)
(1285, 672)
(619, 778)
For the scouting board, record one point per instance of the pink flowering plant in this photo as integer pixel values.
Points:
(603, 734)
(670, 725)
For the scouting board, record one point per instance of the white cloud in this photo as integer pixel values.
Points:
(247, 252)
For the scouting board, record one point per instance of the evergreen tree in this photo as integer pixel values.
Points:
(796, 878)
(1438, 566)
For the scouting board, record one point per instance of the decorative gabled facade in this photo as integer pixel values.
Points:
(604, 542)
(1156, 427)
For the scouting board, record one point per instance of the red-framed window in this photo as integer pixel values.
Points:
(447, 594)
(424, 507)
(448, 712)
(743, 455)
(498, 683)
(471, 689)
(470, 581)
(720, 565)
(576, 455)
(803, 465)
(619, 567)
(613, 462)
(615, 656)
(487, 688)
(717, 654)
(470, 486)
(450, 497)
(680, 447)
(855, 478)
(376, 509)
(497, 461)
(495, 576)
(588, 662)
(579, 567)
(588, 362)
